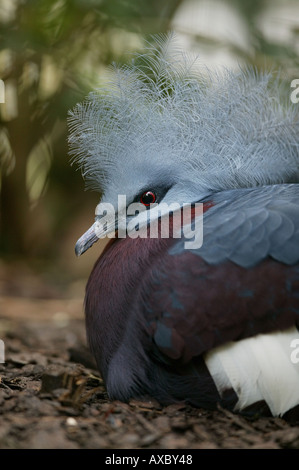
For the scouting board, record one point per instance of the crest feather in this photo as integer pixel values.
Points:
(223, 130)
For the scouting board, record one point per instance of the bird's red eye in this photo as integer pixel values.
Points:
(148, 198)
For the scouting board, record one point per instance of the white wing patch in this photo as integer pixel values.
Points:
(258, 368)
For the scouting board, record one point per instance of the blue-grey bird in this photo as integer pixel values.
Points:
(214, 322)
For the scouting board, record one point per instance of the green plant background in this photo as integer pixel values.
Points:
(52, 53)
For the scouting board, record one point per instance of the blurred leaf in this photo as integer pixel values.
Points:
(7, 158)
(52, 53)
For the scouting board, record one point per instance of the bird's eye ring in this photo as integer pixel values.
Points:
(147, 198)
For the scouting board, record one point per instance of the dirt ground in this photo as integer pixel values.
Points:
(52, 397)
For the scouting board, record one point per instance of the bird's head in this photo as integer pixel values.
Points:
(139, 193)
(160, 132)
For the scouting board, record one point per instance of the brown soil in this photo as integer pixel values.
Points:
(52, 397)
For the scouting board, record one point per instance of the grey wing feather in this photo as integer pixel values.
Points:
(246, 226)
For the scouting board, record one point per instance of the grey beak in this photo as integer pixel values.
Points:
(86, 241)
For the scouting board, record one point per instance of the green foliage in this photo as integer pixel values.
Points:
(52, 53)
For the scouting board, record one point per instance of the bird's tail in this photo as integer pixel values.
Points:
(263, 368)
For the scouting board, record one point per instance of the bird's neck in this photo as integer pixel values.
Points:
(117, 275)
(109, 301)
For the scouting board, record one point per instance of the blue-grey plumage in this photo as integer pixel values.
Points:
(248, 225)
(181, 324)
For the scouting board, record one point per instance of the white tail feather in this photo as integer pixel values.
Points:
(258, 368)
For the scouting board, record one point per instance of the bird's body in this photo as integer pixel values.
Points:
(214, 324)
(154, 309)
